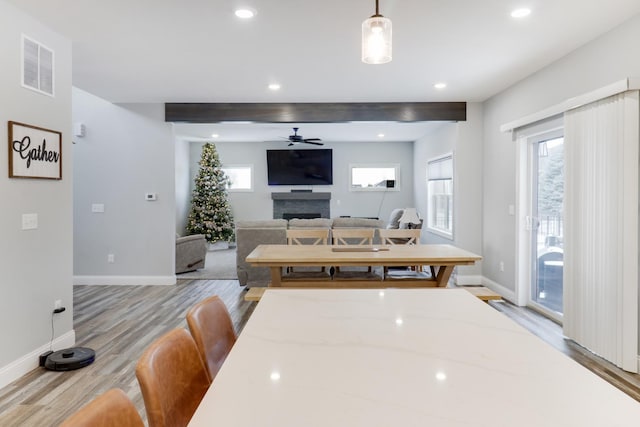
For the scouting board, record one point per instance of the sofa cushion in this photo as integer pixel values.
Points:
(357, 223)
(394, 218)
(310, 223)
(267, 223)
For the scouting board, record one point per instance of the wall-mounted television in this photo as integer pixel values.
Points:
(300, 167)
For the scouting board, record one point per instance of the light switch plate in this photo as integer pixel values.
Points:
(97, 208)
(29, 221)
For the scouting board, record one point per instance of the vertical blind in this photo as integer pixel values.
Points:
(601, 233)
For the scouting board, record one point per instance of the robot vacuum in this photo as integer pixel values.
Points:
(70, 359)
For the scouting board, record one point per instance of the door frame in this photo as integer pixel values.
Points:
(527, 140)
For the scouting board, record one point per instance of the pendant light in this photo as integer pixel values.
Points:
(376, 39)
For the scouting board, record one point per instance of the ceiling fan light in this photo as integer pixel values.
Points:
(376, 40)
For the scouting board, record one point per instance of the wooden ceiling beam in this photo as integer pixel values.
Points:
(316, 112)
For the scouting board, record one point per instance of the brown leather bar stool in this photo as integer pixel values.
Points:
(111, 409)
(212, 330)
(173, 379)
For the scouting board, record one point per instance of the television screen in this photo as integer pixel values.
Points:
(300, 167)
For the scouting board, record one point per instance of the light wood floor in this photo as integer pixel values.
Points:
(119, 322)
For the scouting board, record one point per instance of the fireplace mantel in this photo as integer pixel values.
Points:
(301, 195)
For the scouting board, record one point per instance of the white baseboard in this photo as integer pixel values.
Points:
(124, 280)
(470, 279)
(30, 361)
(507, 294)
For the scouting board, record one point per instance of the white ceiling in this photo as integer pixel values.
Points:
(198, 51)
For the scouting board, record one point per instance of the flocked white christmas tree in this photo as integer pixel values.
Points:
(210, 211)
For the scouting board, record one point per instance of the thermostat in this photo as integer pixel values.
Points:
(150, 197)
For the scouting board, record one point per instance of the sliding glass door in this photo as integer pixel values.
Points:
(547, 225)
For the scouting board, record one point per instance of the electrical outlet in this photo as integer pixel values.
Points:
(57, 304)
(111, 258)
(501, 266)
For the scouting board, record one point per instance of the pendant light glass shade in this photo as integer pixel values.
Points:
(376, 40)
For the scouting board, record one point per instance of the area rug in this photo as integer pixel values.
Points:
(219, 265)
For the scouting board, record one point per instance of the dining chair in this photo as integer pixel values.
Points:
(212, 330)
(400, 236)
(354, 236)
(111, 409)
(173, 379)
(403, 236)
(309, 236)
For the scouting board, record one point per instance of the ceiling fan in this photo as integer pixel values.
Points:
(299, 139)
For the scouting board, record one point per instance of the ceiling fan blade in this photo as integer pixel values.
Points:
(312, 139)
(284, 138)
(306, 141)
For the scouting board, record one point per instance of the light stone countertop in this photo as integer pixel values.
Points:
(400, 357)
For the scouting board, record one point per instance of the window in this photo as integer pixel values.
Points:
(374, 177)
(440, 195)
(240, 177)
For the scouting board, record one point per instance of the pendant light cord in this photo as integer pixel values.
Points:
(377, 10)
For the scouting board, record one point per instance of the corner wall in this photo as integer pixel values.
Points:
(464, 139)
(36, 265)
(127, 151)
(183, 185)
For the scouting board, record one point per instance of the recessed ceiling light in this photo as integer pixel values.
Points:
(214, 135)
(381, 135)
(441, 376)
(440, 85)
(274, 86)
(520, 13)
(245, 13)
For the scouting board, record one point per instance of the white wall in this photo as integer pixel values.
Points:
(36, 265)
(258, 204)
(605, 60)
(128, 151)
(183, 184)
(464, 140)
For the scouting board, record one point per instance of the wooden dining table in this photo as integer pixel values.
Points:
(400, 357)
(442, 257)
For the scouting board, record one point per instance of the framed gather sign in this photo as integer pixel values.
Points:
(34, 152)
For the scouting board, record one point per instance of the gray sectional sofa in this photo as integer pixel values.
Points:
(250, 234)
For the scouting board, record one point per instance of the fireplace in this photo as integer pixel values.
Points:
(301, 205)
(287, 215)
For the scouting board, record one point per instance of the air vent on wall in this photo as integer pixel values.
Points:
(37, 66)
